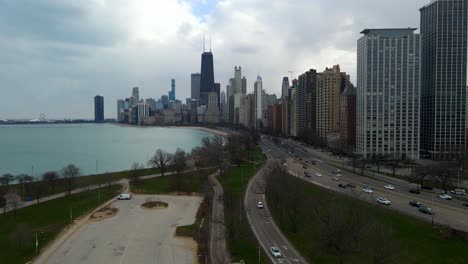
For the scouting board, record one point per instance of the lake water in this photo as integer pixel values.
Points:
(92, 147)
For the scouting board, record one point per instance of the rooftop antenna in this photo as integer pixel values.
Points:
(291, 72)
(210, 43)
(203, 42)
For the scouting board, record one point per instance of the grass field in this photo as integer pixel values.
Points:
(82, 181)
(189, 182)
(409, 240)
(47, 219)
(242, 244)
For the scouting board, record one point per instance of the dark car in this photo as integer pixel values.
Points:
(465, 204)
(350, 185)
(342, 185)
(415, 191)
(415, 203)
(313, 162)
(430, 188)
(425, 210)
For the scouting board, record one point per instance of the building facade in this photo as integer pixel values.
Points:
(258, 90)
(330, 84)
(99, 108)
(348, 115)
(195, 86)
(443, 78)
(172, 95)
(388, 93)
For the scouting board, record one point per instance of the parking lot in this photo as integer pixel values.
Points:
(133, 235)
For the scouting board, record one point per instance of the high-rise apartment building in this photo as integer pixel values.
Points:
(120, 110)
(284, 87)
(330, 84)
(307, 101)
(258, 90)
(348, 115)
(388, 93)
(99, 108)
(444, 29)
(285, 106)
(195, 86)
(292, 115)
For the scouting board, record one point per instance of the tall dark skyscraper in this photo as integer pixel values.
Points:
(99, 108)
(443, 78)
(195, 86)
(207, 77)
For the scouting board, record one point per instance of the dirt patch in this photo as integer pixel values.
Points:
(104, 213)
(152, 205)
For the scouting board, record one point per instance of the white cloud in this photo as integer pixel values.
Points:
(59, 54)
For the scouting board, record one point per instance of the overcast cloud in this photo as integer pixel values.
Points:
(57, 54)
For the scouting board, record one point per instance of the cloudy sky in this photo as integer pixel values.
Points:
(57, 54)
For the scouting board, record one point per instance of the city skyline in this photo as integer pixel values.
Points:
(108, 58)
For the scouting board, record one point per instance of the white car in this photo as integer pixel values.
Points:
(445, 196)
(275, 252)
(335, 178)
(260, 205)
(318, 174)
(338, 175)
(367, 190)
(124, 196)
(383, 200)
(389, 187)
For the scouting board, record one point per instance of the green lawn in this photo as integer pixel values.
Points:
(17, 235)
(81, 181)
(242, 244)
(188, 182)
(406, 239)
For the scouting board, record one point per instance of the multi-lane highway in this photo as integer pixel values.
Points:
(264, 227)
(450, 213)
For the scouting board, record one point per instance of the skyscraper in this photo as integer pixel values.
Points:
(172, 91)
(98, 108)
(206, 77)
(285, 87)
(258, 90)
(443, 78)
(136, 94)
(306, 101)
(195, 85)
(348, 115)
(330, 84)
(388, 93)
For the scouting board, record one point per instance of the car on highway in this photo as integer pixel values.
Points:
(335, 178)
(414, 191)
(338, 175)
(275, 252)
(367, 190)
(458, 192)
(336, 171)
(350, 185)
(124, 196)
(389, 187)
(465, 204)
(307, 174)
(260, 205)
(425, 210)
(415, 203)
(313, 162)
(304, 167)
(444, 196)
(383, 200)
(428, 187)
(318, 174)
(342, 185)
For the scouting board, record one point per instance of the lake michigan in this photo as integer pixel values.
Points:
(92, 147)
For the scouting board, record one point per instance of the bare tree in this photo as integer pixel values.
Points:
(6, 179)
(236, 148)
(444, 174)
(161, 160)
(179, 162)
(13, 201)
(38, 189)
(197, 158)
(420, 174)
(135, 171)
(69, 173)
(214, 152)
(50, 178)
